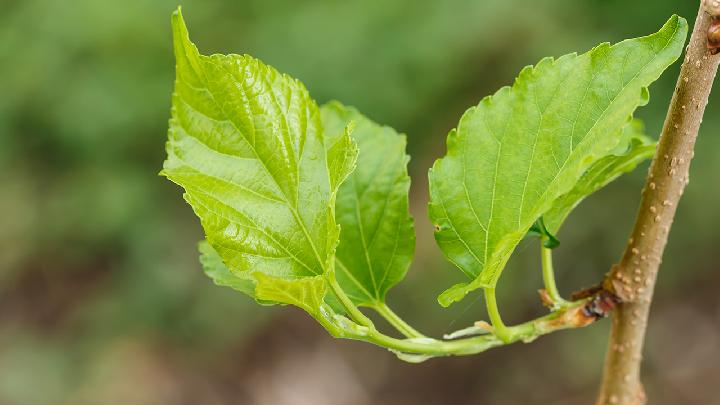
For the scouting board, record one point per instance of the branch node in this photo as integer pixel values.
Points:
(602, 303)
(713, 36)
(545, 298)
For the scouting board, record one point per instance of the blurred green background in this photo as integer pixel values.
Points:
(102, 300)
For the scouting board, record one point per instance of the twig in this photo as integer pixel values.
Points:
(633, 279)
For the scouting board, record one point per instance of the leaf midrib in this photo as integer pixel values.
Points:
(257, 228)
(358, 217)
(293, 210)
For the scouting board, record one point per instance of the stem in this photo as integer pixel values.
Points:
(633, 279)
(549, 278)
(574, 316)
(351, 309)
(499, 327)
(397, 322)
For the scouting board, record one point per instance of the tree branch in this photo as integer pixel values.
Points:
(633, 279)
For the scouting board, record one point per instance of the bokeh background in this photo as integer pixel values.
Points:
(102, 300)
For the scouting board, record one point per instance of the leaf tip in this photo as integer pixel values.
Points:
(177, 21)
(183, 47)
(677, 20)
(676, 27)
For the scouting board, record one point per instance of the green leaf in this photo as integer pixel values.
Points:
(635, 148)
(247, 145)
(306, 293)
(377, 240)
(521, 149)
(214, 268)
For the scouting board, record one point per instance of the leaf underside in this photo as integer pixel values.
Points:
(522, 149)
(634, 149)
(377, 239)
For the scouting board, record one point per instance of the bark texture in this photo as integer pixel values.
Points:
(632, 280)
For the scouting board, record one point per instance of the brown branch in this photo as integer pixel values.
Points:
(633, 279)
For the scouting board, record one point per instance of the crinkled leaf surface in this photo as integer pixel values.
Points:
(521, 149)
(635, 148)
(246, 143)
(377, 239)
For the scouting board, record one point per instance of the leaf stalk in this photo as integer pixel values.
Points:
(397, 322)
(351, 309)
(556, 300)
(499, 328)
